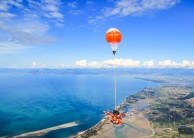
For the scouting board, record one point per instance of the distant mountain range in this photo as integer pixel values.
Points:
(103, 71)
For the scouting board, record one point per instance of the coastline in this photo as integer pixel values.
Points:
(143, 116)
(144, 112)
(103, 125)
(136, 123)
(44, 131)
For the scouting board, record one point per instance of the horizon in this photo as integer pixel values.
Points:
(107, 67)
(71, 34)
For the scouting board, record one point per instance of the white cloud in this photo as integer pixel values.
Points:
(134, 7)
(38, 64)
(73, 8)
(9, 47)
(149, 64)
(5, 5)
(108, 63)
(56, 15)
(18, 37)
(52, 9)
(16, 3)
(81, 63)
(6, 15)
(173, 64)
(72, 4)
(95, 20)
(30, 27)
(168, 63)
(121, 62)
(94, 64)
(48, 8)
(130, 63)
(185, 64)
(33, 3)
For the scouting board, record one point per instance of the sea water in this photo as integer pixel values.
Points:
(30, 102)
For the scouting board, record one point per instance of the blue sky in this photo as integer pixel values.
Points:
(71, 33)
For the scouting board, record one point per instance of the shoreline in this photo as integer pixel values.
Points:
(137, 126)
(44, 131)
(93, 131)
(146, 120)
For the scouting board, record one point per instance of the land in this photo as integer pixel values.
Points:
(135, 124)
(44, 131)
(161, 112)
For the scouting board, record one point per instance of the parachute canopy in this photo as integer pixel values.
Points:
(113, 37)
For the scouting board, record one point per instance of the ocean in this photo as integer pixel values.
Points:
(30, 102)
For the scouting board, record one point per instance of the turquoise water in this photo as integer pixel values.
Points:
(33, 102)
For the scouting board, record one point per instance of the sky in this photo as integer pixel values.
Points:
(71, 33)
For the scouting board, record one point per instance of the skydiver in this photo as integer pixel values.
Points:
(115, 117)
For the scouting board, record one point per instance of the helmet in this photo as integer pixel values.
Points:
(116, 112)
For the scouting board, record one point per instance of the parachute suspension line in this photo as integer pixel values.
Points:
(115, 85)
(114, 37)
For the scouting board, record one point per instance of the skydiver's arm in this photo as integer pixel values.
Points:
(107, 113)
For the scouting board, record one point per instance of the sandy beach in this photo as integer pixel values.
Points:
(135, 124)
(44, 131)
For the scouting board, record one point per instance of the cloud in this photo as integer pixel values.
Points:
(149, 64)
(31, 25)
(123, 8)
(41, 8)
(9, 47)
(72, 4)
(136, 7)
(122, 62)
(73, 8)
(94, 64)
(168, 64)
(56, 15)
(19, 37)
(50, 7)
(16, 3)
(173, 64)
(130, 63)
(186, 63)
(108, 63)
(6, 15)
(95, 20)
(47, 8)
(38, 64)
(81, 63)
(5, 5)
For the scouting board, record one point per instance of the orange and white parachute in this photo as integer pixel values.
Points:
(113, 37)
